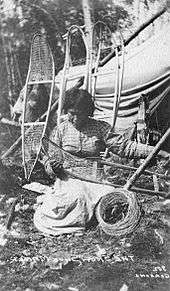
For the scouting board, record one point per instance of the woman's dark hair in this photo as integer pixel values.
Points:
(80, 100)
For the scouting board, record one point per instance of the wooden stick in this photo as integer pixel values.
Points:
(135, 189)
(148, 191)
(121, 166)
(139, 171)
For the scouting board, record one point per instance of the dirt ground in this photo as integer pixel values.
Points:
(92, 261)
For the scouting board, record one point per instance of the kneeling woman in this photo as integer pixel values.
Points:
(70, 204)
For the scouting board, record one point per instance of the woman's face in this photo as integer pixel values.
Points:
(77, 118)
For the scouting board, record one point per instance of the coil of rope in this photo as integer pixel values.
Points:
(118, 213)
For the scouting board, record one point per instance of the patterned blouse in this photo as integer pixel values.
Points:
(93, 139)
(89, 141)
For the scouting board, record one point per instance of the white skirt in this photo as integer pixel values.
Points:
(68, 206)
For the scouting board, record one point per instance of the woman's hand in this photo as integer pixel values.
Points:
(55, 165)
(52, 168)
(57, 169)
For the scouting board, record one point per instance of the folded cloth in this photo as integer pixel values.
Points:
(38, 187)
(69, 206)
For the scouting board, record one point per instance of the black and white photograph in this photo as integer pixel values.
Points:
(84, 145)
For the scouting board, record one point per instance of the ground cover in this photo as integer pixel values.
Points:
(91, 261)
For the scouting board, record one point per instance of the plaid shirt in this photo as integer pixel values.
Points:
(89, 141)
(93, 138)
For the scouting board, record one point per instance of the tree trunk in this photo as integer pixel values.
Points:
(88, 32)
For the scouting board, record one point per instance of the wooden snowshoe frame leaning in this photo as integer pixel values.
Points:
(119, 78)
(119, 49)
(41, 71)
(67, 64)
(100, 35)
